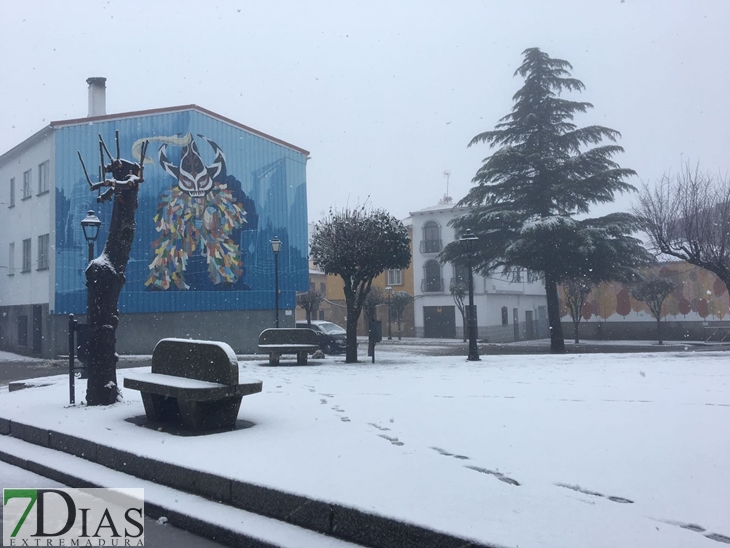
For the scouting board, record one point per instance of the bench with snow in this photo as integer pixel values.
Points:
(195, 382)
(288, 341)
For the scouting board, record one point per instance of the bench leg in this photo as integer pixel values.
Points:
(159, 408)
(210, 415)
(274, 358)
(302, 358)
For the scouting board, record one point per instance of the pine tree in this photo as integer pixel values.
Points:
(543, 173)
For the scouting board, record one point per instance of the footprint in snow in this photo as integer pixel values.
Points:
(382, 428)
(499, 475)
(394, 441)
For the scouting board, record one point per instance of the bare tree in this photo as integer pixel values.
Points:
(576, 291)
(653, 292)
(459, 292)
(687, 215)
(398, 303)
(309, 302)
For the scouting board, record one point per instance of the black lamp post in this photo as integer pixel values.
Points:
(276, 247)
(389, 290)
(90, 225)
(467, 241)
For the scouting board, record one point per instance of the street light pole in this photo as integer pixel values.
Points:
(90, 225)
(276, 247)
(467, 243)
(389, 290)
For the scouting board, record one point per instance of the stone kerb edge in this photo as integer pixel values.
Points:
(335, 520)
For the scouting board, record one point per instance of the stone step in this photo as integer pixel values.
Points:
(204, 517)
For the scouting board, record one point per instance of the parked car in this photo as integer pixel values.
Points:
(332, 337)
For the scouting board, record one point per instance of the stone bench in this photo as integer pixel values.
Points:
(195, 382)
(288, 341)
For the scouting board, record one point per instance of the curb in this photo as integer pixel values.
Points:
(333, 520)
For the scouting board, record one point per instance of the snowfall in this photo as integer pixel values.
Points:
(523, 450)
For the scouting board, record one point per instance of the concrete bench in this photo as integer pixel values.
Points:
(288, 341)
(195, 382)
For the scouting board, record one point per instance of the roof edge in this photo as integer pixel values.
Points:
(33, 139)
(165, 110)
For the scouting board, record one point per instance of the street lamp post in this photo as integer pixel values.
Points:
(389, 290)
(90, 225)
(276, 247)
(467, 241)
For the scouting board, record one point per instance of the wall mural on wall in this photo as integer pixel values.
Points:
(198, 216)
(698, 293)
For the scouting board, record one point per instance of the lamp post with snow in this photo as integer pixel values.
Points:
(276, 247)
(468, 241)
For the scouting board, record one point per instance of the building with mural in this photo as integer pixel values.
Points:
(215, 193)
(695, 310)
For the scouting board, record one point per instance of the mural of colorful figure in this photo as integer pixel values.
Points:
(197, 216)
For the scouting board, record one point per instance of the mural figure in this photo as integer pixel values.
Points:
(198, 215)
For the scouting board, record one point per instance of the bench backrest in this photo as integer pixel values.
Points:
(285, 335)
(211, 361)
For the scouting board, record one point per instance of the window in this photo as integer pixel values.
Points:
(22, 330)
(505, 316)
(11, 259)
(43, 177)
(395, 277)
(461, 274)
(432, 277)
(322, 288)
(26, 255)
(43, 252)
(26, 185)
(431, 238)
(12, 192)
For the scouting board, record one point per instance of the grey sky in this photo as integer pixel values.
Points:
(386, 95)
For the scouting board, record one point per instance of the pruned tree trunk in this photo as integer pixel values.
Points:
(576, 325)
(659, 330)
(351, 352)
(105, 279)
(105, 274)
(557, 343)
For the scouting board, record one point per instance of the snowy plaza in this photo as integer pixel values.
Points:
(522, 450)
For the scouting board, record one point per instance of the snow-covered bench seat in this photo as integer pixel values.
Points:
(195, 382)
(288, 341)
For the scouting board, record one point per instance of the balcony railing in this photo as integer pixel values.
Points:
(430, 246)
(432, 286)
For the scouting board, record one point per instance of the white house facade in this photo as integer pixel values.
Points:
(506, 309)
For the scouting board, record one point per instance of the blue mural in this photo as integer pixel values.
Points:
(214, 196)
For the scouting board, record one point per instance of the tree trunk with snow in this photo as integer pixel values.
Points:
(105, 279)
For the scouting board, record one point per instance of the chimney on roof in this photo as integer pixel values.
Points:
(97, 96)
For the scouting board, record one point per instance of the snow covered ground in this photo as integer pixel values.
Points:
(535, 450)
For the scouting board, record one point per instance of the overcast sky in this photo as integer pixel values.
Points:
(385, 95)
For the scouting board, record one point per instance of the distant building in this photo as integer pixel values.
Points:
(201, 265)
(507, 309)
(697, 309)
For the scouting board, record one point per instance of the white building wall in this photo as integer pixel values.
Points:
(28, 218)
(490, 293)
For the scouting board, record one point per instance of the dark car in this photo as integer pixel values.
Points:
(332, 338)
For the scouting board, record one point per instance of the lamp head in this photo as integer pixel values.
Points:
(90, 225)
(276, 244)
(468, 240)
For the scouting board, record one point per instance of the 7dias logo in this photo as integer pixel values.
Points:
(73, 517)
